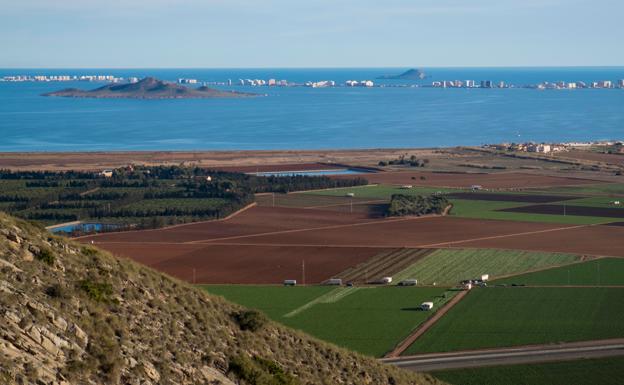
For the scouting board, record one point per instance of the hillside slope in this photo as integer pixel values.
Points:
(149, 88)
(71, 314)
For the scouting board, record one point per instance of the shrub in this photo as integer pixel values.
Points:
(46, 256)
(97, 291)
(251, 320)
(56, 291)
(259, 371)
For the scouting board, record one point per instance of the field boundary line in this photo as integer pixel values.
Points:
(329, 297)
(422, 328)
(232, 215)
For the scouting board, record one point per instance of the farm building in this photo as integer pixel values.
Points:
(290, 282)
(426, 306)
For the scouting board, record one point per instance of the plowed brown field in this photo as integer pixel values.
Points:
(253, 221)
(244, 264)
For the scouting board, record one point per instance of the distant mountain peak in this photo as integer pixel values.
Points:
(410, 74)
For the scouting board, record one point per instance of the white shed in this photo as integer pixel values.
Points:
(426, 306)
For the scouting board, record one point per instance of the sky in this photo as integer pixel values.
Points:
(313, 33)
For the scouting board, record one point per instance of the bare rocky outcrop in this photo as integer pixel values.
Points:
(71, 314)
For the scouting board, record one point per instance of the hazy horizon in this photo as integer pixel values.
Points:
(322, 34)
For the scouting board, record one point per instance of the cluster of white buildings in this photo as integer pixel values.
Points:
(575, 85)
(541, 86)
(321, 84)
(360, 83)
(187, 81)
(63, 78)
(549, 148)
(467, 84)
(261, 82)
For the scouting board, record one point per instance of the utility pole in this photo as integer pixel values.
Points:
(351, 205)
(564, 209)
(303, 272)
(194, 275)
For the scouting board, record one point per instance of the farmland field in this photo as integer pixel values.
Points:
(369, 320)
(379, 191)
(503, 211)
(465, 180)
(449, 266)
(604, 371)
(599, 272)
(500, 317)
(600, 189)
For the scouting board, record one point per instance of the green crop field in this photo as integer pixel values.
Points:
(604, 371)
(449, 266)
(370, 320)
(461, 207)
(599, 272)
(498, 317)
(590, 189)
(599, 202)
(380, 191)
(275, 301)
(488, 210)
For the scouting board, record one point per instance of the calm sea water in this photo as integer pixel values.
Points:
(305, 118)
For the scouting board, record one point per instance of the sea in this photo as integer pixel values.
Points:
(313, 118)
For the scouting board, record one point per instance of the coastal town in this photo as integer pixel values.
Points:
(614, 147)
(366, 83)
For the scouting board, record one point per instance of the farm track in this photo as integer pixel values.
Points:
(420, 330)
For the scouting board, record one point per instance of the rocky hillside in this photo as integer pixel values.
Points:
(71, 314)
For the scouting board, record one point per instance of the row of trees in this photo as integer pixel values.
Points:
(402, 160)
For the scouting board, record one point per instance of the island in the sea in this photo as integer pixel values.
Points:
(149, 88)
(411, 74)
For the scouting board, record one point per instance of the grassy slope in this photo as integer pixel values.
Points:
(498, 317)
(604, 371)
(449, 266)
(604, 271)
(368, 320)
(146, 316)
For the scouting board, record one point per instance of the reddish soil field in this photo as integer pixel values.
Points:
(585, 211)
(253, 221)
(592, 240)
(244, 264)
(491, 181)
(364, 206)
(401, 232)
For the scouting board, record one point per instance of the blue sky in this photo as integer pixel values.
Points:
(319, 33)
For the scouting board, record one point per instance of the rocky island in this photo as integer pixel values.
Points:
(411, 74)
(149, 88)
